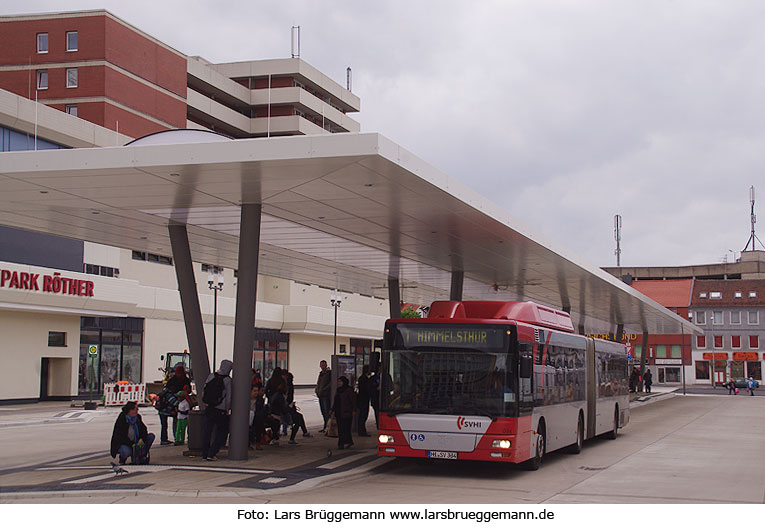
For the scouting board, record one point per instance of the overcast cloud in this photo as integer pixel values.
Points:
(562, 112)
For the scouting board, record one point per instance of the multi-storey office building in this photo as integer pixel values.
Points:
(101, 82)
(93, 65)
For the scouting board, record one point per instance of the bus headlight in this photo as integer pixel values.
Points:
(385, 439)
(501, 443)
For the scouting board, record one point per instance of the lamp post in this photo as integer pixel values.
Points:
(335, 300)
(211, 284)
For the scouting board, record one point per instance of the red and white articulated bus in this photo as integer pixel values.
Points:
(496, 381)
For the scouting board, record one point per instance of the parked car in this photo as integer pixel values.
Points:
(742, 383)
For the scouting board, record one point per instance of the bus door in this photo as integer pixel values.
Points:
(592, 387)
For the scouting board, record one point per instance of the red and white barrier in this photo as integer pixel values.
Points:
(121, 394)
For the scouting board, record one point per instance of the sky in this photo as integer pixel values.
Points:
(565, 113)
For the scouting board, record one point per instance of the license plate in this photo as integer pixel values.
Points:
(442, 455)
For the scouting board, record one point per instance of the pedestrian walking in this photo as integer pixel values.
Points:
(344, 408)
(324, 392)
(217, 397)
(751, 385)
(363, 400)
(648, 380)
(374, 397)
(634, 379)
(731, 386)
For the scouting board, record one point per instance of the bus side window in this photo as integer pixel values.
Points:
(526, 366)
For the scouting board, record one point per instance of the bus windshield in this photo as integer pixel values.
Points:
(449, 370)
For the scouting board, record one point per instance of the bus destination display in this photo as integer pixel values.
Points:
(481, 338)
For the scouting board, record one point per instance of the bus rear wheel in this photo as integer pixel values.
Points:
(615, 431)
(539, 450)
(577, 446)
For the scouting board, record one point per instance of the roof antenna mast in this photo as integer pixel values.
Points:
(753, 239)
(295, 42)
(618, 237)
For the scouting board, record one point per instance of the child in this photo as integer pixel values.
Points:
(184, 406)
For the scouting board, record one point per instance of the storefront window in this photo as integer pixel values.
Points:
(270, 350)
(702, 370)
(671, 374)
(754, 369)
(120, 351)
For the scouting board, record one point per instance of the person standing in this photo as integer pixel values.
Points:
(365, 389)
(167, 402)
(751, 385)
(648, 380)
(217, 397)
(374, 393)
(184, 407)
(324, 392)
(344, 408)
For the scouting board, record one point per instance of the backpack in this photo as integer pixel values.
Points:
(213, 392)
(161, 402)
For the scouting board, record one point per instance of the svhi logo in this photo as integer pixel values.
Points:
(464, 423)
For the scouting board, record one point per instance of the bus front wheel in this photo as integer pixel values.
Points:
(539, 449)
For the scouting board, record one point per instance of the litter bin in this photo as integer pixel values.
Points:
(196, 425)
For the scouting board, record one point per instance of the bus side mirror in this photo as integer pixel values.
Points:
(526, 367)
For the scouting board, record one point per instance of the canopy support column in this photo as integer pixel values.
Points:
(394, 297)
(619, 333)
(458, 278)
(192, 315)
(244, 330)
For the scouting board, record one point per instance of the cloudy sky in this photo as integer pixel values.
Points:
(563, 112)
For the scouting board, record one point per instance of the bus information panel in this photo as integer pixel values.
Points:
(493, 338)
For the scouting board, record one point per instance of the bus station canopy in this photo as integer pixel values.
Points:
(344, 211)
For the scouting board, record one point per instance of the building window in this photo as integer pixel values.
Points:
(735, 342)
(738, 295)
(753, 294)
(661, 351)
(42, 43)
(71, 77)
(56, 339)
(106, 271)
(701, 342)
(675, 351)
(71, 110)
(754, 369)
(715, 295)
(735, 317)
(139, 256)
(703, 295)
(702, 370)
(718, 342)
(754, 342)
(42, 79)
(212, 269)
(701, 317)
(717, 318)
(152, 258)
(71, 41)
(753, 317)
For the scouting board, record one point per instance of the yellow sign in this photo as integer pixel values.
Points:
(93, 350)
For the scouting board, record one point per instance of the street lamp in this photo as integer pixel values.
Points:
(211, 284)
(335, 300)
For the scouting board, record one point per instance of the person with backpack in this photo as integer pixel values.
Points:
(167, 406)
(130, 437)
(167, 402)
(217, 397)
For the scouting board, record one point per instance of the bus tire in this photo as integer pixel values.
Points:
(615, 430)
(539, 449)
(576, 448)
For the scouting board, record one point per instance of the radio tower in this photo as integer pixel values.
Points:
(753, 239)
(618, 237)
